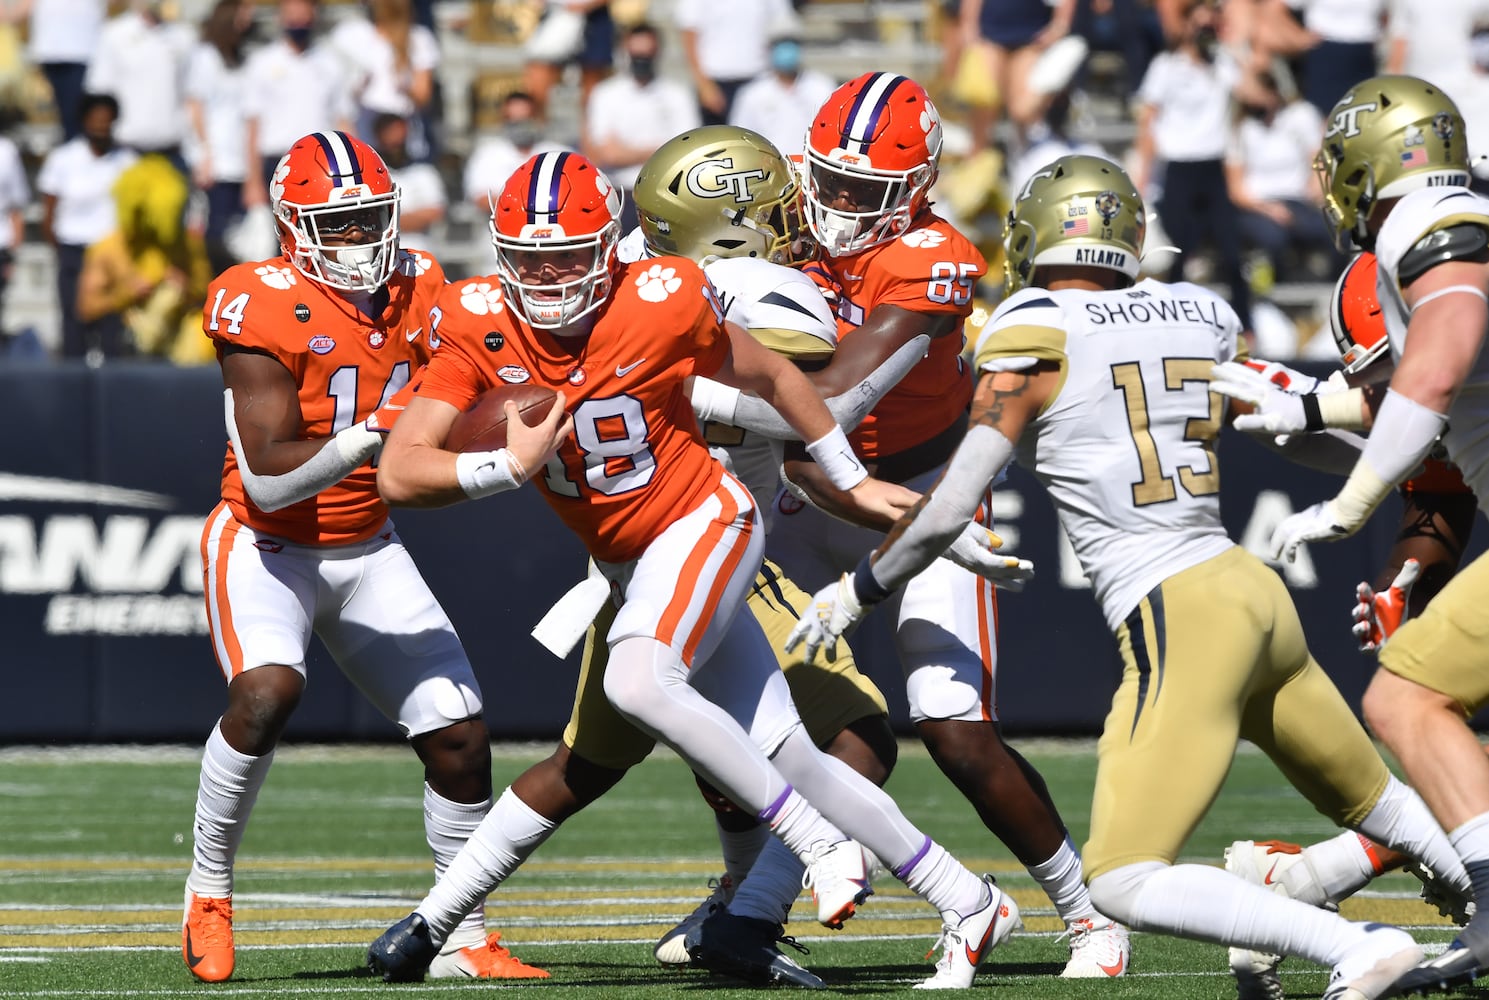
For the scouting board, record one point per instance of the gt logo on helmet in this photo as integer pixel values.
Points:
(1346, 122)
(717, 178)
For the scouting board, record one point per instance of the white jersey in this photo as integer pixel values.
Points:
(1414, 216)
(785, 310)
(1126, 446)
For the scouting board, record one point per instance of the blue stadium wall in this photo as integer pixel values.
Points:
(107, 475)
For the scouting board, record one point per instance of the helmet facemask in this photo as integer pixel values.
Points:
(319, 252)
(556, 305)
(1348, 217)
(888, 201)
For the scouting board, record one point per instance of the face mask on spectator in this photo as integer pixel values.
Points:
(644, 68)
(100, 142)
(523, 134)
(299, 36)
(1207, 42)
(785, 55)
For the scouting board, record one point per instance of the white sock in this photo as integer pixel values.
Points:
(228, 787)
(510, 833)
(1341, 866)
(447, 826)
(774, 883)
(1210, 904)
(1063, 882)
(1401, 820)
(741, 848)
(1471, 841)
(943, 881)
(801, 827)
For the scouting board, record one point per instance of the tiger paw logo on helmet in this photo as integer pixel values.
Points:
(276, 184)
(923, 238)
(482, 298)
(275, 277)
(657, 282)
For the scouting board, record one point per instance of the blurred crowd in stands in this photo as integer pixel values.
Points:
(138, 138)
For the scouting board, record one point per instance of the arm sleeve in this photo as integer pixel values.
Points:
(341, 454)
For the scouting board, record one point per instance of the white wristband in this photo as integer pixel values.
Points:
(357, 444)
(713, 400)
(482, 473)
(833, 452)
(1344, 410)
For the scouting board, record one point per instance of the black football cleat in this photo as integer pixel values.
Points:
(403, 953)
(1454, 967)
(745, 948)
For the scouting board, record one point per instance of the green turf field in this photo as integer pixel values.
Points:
(95, 844)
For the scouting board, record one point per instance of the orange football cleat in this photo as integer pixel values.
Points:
(207, 937)
(488, 960)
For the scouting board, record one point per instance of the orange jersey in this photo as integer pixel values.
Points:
(636, 460)
(1437, 477)
(930, 269)
(345, 364)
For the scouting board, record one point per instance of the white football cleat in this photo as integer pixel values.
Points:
(967, 944)
(1099, 949)
(671, 950)
(1370, 968)
(1283, 868)
(1256, 974)
(839, 879)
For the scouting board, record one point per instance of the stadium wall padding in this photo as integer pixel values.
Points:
(106, 476)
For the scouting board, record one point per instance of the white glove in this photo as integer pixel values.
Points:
(1278, 411)
(976, 549)
(834, 608)
(1319, 523)
(1287, 378)
(1378, 615)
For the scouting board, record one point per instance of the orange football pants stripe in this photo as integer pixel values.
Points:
(987, 638)
(220, 612)
(692, 573)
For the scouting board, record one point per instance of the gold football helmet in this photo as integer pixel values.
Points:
(1388, 136)
(722, 191)
(1080, 210)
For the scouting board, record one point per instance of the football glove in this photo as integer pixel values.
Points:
(1287, 378)
(1378, 615)
(1277, 410)
(1318, 523)
(976, 548)
(833, 610)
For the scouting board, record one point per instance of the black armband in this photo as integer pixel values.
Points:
(1313, 419)
(1463, 241)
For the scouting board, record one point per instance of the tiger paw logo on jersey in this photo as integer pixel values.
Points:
(923, 238)
(657, 282)
(376, 339)
(275, 277)
(482, 298)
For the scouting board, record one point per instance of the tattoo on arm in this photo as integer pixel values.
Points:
(989, 412)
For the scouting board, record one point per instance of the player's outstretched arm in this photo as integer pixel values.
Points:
(261, 410)
(417, 471)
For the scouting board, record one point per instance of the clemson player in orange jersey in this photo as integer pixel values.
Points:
(894, 270)
(676, 535)
(311, 343)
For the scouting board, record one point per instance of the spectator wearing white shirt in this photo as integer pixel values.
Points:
(15, 194)
(781, 102)
(141, 60)
(726, 46)
(1269, 173)
(62, 35)
(497, 157)
(1442, 43)
(392, 61)
(593, 50)
(631, 115)
(421, 191)
(214, 109)
(1184, 118)
(1347, 32)
(76, 182)
(291, 87)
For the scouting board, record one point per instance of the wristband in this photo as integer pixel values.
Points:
(714, 401)
(833, 452)
(357, 444)
(1312, 419)
(1344, 410)
(866, 588)
(482, 473)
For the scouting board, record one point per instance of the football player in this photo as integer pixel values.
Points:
(1101, 387)
(311, 342)
(727, 199)
(673, 532)
(1395, 171)
(895, 270)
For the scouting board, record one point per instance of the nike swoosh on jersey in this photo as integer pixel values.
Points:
(413, 335)
(623, 371)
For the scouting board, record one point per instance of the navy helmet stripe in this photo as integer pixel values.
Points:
(351, 157)
(542, 195)
(868, 110)
(340, 158)
(853, 111)
(332, 159)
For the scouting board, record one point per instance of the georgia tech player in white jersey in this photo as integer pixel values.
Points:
(1101, 386)
(1395, 172)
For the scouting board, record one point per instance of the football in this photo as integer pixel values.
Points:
(483, 424)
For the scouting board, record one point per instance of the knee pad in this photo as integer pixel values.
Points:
(936, 694)
(437, 702)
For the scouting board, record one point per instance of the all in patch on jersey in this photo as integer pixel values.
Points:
(321, 344)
